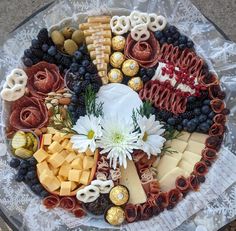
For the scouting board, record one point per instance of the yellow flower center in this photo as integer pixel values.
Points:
(118, 138)
(145, 136)
(90, 134)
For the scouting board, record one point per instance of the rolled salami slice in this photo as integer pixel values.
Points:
(51, 202)
(182, 184)
(216, 129)
(200, 169)
(209, 154)
(174, 196)
(68, 203)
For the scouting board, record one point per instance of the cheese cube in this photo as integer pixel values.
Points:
(64, 170)
(51, 130)
(184, 136)
(191, 157)
(195, 147)
(55, 171)
(40, 155)
(84, 179)
(56, 160)
(64, 153)
(176, 155)
(71, 156)
(74, 175)
(42, 166)
(55, 147)
(74, 185)
(69, 146)
(46, 177)
(89, 152)
(47, 139)
(178, 145)
(198, 137)
(88, 162)
(53, 185)
(64, 143)
(77, 163)
(65, 188)
(58, 137)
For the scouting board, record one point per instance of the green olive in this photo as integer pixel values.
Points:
(78, 36)
(70, 46)
(67, 32)
(57, 38)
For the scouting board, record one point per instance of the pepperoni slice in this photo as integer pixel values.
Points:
(217, 105)
(182, 184)
(193, 182)
(220, 119)
(216, 129)
(200, 169)
(51, 202)
(78, 211)
(130, 213)
(209, 154)
(174, 196)
(68, 203)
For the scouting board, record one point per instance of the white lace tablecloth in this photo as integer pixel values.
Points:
(214, 205)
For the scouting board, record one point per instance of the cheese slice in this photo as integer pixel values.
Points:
(166, 164)
(195, 147)
(191, 157)
(178, 145)
(130, 179)
(198, 137)
(186, 166)
(168, 181)
(176, 155)
(65, 188)
(184, 136)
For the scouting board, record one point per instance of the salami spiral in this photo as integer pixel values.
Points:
(200, 169)
(68, 203)
(51, 202)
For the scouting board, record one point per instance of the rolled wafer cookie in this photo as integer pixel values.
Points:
(99, 19)
(98, 39)
(105, 49)
(87, 26)
(95, 32)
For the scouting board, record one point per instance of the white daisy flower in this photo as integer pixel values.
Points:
(118, 141)
(151, 141)
(88, 129)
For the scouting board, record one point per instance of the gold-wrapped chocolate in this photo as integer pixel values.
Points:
(130, 67)
(115, 215)
(118, 43)
(119, 195)
(115, 76)
(136, 83)
(116, 59)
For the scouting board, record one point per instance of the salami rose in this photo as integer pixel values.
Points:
(209, 154)
(130, 213)
(43, 78)
(200, 169)
(174, 196)
(144, 52)
(28, 113)
(182, 184)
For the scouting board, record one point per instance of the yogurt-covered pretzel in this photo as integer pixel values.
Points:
(12, 94)
(104, 186)
(140, 33)
(157, 22)
(120, 25)
(88, 194)
(17, 76)
(137, 18)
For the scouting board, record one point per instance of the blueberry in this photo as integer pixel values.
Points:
(162, 40)
(176, 43)
(202, 118)
(32, 161)
(85, 63)
(58, 56)
(78, 55)
(210, 122)
(179, 127)
(71, 108)
(204, 127)
(170, 40)
(145, 78)
(206, 109)
(191, 99)
(27, 62)
(185, 122)
(190, 44)
(87, 76)
(159, 35)
(207, 102)
(19, 177)
(183, 39)
(35, 181)
(83, 49)
(197, 111)
(74, 67)
(24, 164)
(143, 71)
(168, 32)
(35, 43)
(77, 89)
(150, 72)
(176, 36)
(82, 71)
(191, 125)
(74, 99)
(171, 121)
(31, 175)
(211, 115)
(52, 51)
(172, 29)
(22, 171)
(38, 188)
(14, 163)
(28, 53)
(45, 47)
(182, 46)
(195, 120)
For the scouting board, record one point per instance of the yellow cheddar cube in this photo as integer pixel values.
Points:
(51, 130)
(70, 157)
(53, 185)
(74, 185)
(46, 177)
(89, 152)
(77, 163)
(64, 153)
(69, 146)
(84, 179)
(40, 155)
(74, 175)
(64, 143)
(56, 160)
(64, 170)
(47, 139)
(55, 147)
(42, 166)
(88, 162)
(65, 188)
(58, 137)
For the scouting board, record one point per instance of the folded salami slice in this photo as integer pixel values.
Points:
(68, 203)
(216, 129)
(209, 154)
(174, 196)
(215, 91)
(200, 169)
(51, 202)
(220, 119)
(146, 211)
(209, 79)
(214, 142)
(162, 200)
(78, 211)
(217, 105)
(130, 213)
(182, 184)
(194, 182)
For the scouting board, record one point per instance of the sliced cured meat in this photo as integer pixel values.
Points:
(216, 129)
(209, 79)
(78, 211)
(214, 142)
(217, 105)
(146, 211)
(51, 202)
(209, 154)
(174, 196)
(130, 213)
(193, 182)
(43, 78)
(144, 52)
(68, 203)
(215, 91)
(200, 169)
(28, 113)
(162, 200)
(220, 119)
(182, 184)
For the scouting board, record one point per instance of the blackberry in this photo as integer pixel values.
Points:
(188, 115)
(96, 87)
(84, 85)
(91, 68)
(81, 111)
(65, 61)
(37, 52)
(48, 58)
(28, 53)
(81, 100)
(43, 35)
(165, 115)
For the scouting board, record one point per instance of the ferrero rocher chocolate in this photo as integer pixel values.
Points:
(116, 59)
(118, 43)
(115, 215)
(130, 67)
(115, 76)
(119, 195)
(136, 83)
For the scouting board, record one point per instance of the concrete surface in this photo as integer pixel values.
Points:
(222, 12)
